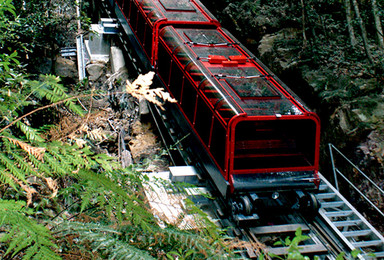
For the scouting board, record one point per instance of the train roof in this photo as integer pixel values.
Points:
(230, 77)
(177, 11)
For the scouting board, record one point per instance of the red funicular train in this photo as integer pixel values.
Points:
(259, 136)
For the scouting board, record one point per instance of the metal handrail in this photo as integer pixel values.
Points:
(337, 171)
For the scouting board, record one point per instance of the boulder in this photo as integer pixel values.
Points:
(65, 68)
(287, 57)
(95, 70)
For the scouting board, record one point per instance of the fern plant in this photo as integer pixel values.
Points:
(126, 227)
(24, 234)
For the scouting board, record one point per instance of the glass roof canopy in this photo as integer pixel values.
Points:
(228, 77)
(176, 10)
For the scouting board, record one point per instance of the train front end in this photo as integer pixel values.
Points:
(277, 154)
(272, 148)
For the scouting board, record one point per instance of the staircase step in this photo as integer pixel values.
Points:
(332, 204)
(341, 213)
(357, 233)
(367, 243)
(326, 195)
(347, 223)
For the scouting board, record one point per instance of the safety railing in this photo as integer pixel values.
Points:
(337, 172)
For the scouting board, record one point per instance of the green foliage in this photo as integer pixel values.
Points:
(293, 246)
(128, 227)
(354, 255)
(41, 24)
(107, 193)
(24, 234)
(104, 239)
(7, 14)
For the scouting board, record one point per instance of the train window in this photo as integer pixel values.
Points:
(148, 40)
(205, 36)
(242, 72)
(182, 56)
(225, 110)
(176, 82)
(195, 73)
(133, 16)
(274, 144)
(217, 143)
(177, 5)
(210, 92)
(203, 120)
(282, 106)
(257, 87)
(204, 52)
(163, 63)
(127, 8)
(141, 26)
(154, 16)
(170, 38)
(188, 100)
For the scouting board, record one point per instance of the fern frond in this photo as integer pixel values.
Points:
(23, 164)
(32, 134)
(55, 165)
(173, 238)
(41, 167)
(140, 89)
(107, 163)
(104, 239)
(5, 177)
(22, 233)
(14, 170)
(49, 87)
(115, 197)
(38, 152)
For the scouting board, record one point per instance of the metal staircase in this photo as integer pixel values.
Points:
(355, 231)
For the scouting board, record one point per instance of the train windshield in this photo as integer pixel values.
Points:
(274, 145)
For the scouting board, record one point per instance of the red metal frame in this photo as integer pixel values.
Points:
(243, 60)
(158, 24)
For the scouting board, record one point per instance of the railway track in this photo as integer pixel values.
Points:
(337, 228)
(326, 237)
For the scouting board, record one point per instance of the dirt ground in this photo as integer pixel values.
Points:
(118, 127)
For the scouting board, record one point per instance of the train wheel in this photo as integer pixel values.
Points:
(247, 205)
(309, 204)
(315, 204)
(242, 205)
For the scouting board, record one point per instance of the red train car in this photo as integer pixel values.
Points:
(146, 17)
(259, 136)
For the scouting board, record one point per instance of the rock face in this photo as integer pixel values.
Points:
(65, 68)
(354, 110)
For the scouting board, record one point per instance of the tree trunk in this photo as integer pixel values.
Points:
(379, 28)
(363, 31)
(348, 12)
(303, 24)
